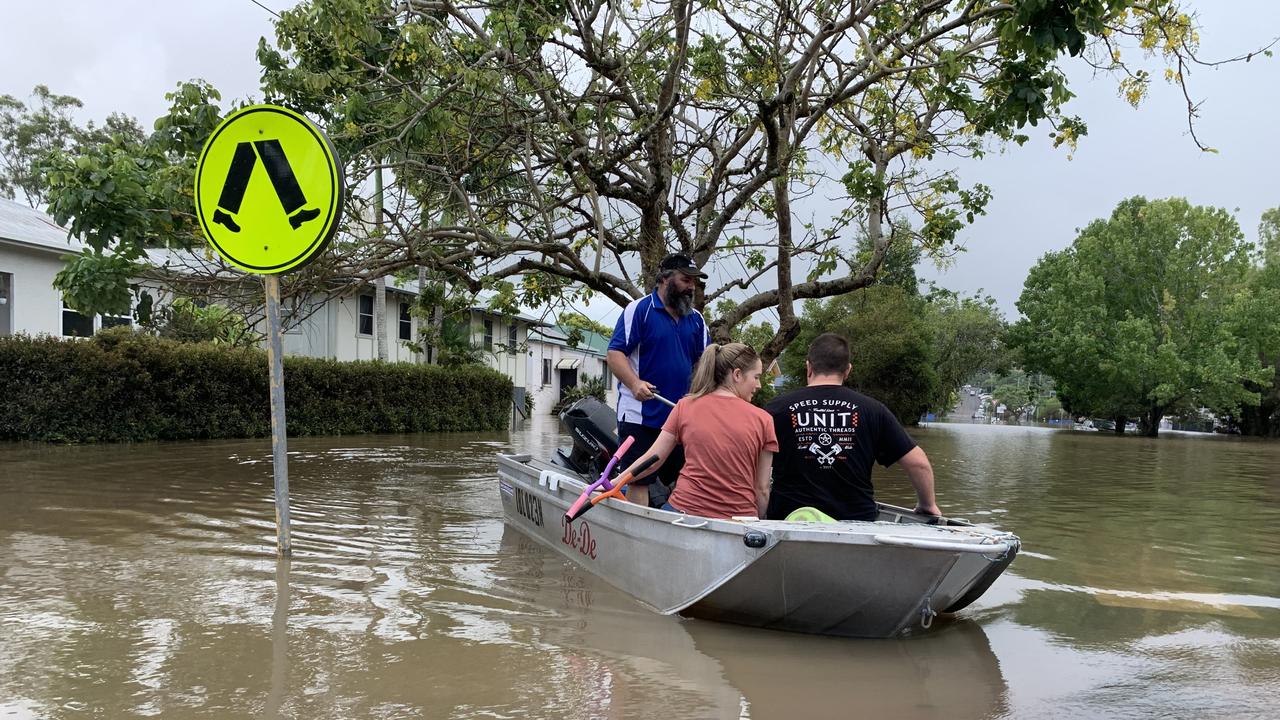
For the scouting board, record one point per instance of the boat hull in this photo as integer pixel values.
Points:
(880, 579)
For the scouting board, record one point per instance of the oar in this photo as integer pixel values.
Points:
(615, 491)
(603, 482)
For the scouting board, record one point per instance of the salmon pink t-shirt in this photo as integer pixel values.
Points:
(722, 437)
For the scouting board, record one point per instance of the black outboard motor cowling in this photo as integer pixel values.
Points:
(594, 428)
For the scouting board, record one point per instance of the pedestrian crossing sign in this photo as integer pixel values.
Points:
(268, 189)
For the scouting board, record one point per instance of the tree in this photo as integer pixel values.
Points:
(600, 132)
(1269, 237)
(29, 135)
(186, 321)
(1140, 316)
(967, 338)
(889, 347)
(1260, 328)
(1021, 393)
(553, 150)
(578, 321)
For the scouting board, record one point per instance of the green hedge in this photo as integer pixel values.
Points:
(125, 387)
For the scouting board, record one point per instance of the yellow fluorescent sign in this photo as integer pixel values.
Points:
(268, 189)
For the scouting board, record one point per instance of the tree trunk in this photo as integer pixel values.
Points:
(1150, 422)
(424, 357)
(651, 245)
(1261, 420)
(380, 285)
(380, 317)
(1120, 421)
(788, 323)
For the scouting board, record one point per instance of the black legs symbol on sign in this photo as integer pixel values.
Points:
(282, 179)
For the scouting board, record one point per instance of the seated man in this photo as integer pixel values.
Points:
(828, 437)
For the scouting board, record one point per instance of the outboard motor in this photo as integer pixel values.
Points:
(594, 428)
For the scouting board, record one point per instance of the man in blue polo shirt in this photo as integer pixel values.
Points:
(654, 347)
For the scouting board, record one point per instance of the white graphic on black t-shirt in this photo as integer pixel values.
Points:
(824, 428)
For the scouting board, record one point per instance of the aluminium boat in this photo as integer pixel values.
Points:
(885, 578)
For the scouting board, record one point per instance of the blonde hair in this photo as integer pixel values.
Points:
(717, 364)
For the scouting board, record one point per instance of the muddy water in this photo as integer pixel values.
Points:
(142, 581)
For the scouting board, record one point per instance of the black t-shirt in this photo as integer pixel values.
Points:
(828, 436)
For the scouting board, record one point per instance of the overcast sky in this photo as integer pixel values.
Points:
(124, 55)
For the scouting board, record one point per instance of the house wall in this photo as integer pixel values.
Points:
(546, 395)
(512, 364)
(310, 337)
(342, 324)
(34, 307)
(331, 331)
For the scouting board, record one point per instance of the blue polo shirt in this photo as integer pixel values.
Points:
(662, 350)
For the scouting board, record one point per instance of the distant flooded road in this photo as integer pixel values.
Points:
(141, 580)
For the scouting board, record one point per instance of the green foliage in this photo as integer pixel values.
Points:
(587, 386)
(1258, 326)
(1145, 314)
(899, 266)
(890, 345)
(968, 338)
(557, 130)
(125, 192)
(1025, 396)
(30, 135)
(455, 348)
(575, 320)
(124, 386)
(185, 321)
(93, 283)
(1269, 237)
(528, 138)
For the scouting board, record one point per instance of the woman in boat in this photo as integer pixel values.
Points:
(728, 442)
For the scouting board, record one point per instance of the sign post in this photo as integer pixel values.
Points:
(279, 436)
(267, 223)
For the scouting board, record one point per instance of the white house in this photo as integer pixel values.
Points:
(554, 367)
(31, 249)
(32, 246)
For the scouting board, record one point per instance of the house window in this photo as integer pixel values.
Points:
(546, 371)
(75, 324)
(366, 315)
(292, 325)
(110, 321)
(488, 334)
(513, 339)
(406, 323)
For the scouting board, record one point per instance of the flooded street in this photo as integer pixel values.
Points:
(141, 580)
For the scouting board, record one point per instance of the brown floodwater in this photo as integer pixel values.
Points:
(142, 580)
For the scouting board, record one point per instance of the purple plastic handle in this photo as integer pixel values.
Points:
(603, 482)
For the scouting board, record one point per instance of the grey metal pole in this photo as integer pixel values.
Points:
(279, 448)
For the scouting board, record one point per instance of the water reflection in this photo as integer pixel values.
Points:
(142, 580)
(718, 670)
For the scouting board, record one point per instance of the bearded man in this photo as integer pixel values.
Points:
(654, 347)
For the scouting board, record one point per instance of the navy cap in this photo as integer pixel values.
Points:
(683, 263)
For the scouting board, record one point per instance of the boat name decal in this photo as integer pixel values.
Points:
(529, 506)
(579, 538)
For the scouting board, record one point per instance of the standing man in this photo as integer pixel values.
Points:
(654, 347)
(828, 437)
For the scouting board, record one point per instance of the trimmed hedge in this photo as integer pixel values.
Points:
(127, 387)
